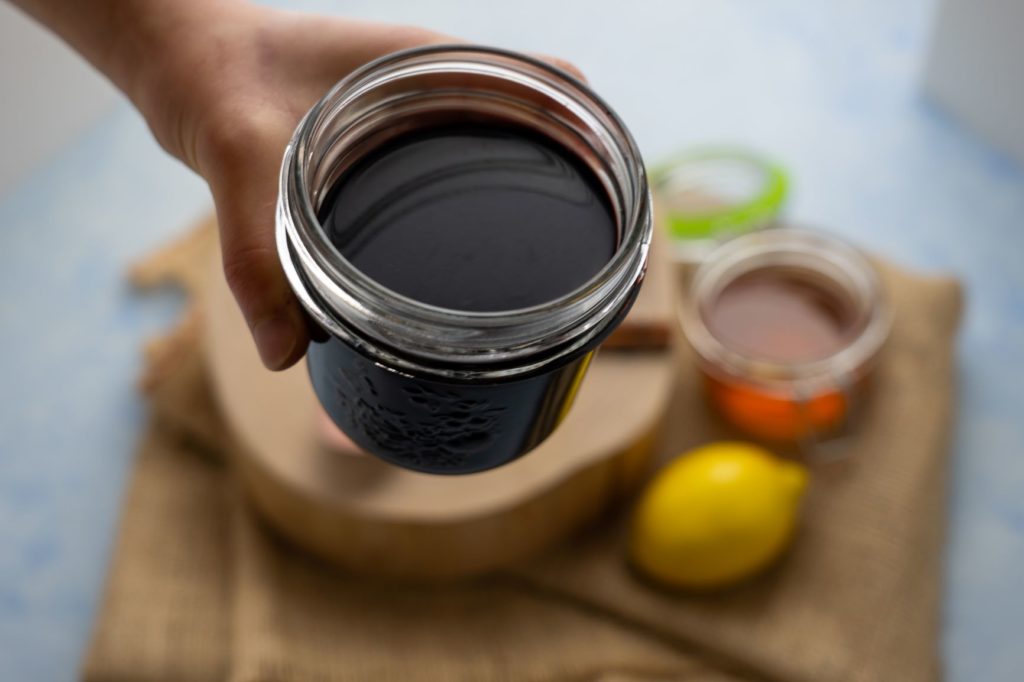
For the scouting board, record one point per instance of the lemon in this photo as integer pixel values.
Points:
(715, 515)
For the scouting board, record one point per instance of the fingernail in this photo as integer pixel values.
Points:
(275, 339)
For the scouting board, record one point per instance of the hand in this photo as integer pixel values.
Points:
(223, 86)
(225, 99)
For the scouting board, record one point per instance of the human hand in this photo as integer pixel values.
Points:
(225, 96)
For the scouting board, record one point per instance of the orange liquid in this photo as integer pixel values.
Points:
(778, 316)
(776, 417)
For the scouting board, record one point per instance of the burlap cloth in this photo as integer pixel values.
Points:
(199, 589)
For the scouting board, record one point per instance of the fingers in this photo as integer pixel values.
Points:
(324, 49)
(242, 170)
(377, 40)
(336, 46)
(564, 65)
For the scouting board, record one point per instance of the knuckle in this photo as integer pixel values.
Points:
(228, 136)
(250, 271)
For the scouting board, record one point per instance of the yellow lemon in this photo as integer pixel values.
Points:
(716, 514)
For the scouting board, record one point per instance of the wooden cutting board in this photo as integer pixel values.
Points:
(371, 517)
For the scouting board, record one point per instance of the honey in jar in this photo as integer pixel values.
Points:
(786, 325)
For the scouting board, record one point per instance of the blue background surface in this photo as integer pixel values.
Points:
(830, 89)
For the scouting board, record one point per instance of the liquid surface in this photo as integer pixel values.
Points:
(473, 218)
(781, 317)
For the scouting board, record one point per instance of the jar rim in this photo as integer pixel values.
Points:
(827, 256)
(345, 299)
(756, 203)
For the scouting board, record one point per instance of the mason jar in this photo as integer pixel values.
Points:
(708, 195)
(424, 387)
(795, 396)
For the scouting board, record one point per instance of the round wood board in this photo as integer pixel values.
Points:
(372, 517)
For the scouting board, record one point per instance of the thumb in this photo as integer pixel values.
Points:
(244, 191)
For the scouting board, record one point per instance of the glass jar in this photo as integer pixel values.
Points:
(708, 195)
(434, 389)
(792, 392)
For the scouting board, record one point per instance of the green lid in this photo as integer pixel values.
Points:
(704, 193)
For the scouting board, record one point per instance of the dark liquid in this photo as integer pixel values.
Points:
(470, 218)
(474, 218)
(435, 426)
(778, 315)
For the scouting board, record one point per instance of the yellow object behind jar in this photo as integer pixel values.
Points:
(715, 515)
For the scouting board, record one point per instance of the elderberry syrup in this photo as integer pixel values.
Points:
(465, 225)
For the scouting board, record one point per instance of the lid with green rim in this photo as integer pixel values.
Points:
(714, 191)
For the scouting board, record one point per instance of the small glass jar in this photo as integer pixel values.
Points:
(428, 388)
(708, 195)
(792, 394)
